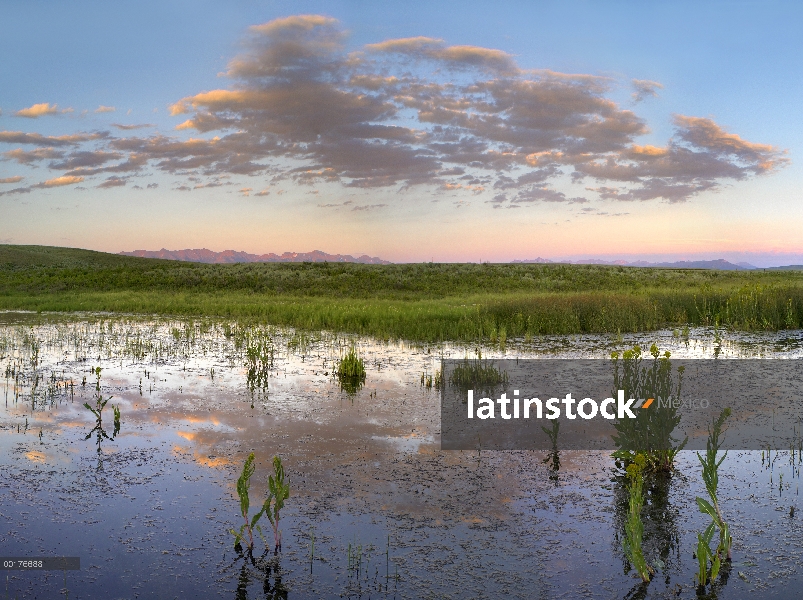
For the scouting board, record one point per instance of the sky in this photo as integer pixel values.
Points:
(413, 131)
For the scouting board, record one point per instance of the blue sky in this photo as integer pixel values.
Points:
(719, 110)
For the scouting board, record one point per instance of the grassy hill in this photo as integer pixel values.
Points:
(415, 301)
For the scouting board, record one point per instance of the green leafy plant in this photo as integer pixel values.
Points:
(97, 411)
(634, 527)
(651, 432)
(246, 533)
(705, 556)
(710, 507)
(278, 492)
(116, 419)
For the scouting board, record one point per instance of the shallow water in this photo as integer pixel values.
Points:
(391, 514)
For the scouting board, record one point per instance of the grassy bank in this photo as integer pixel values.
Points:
(418, 301)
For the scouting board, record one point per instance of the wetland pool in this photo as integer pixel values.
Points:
(376, 509)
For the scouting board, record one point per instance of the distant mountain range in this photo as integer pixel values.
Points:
(720, 264)
(202, 255)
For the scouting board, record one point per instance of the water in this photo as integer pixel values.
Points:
(391, 515)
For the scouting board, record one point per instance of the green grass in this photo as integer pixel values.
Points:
(424, 302)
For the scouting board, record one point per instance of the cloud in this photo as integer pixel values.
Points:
(644, 88)
(36, 139)
(113, 181)
(60, 181)
(425, 48)
(50, 183)
(300, 104)
(105, 109)
(80, 159)
(40, 110)
(367, 207)
(15, 179)
(29, 157)
(132, 127)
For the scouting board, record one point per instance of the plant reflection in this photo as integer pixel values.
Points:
(661, 539)
(553, 458)
(261, 569)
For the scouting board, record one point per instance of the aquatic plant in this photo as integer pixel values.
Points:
(477, 374)
(634, 527)
(259, 356)
(651, 432)
(429, 381)
(278, 492)
(250, 524)
(97, 411)
(711, 466)
(350, 371)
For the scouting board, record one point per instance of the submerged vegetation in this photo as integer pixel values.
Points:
(423, 302)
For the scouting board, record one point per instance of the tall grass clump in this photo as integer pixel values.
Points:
(710, 507)
(350, 371)
(634, 527)
(477, 373)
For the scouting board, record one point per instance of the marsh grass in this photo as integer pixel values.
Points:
(478, 374)
(350, 371)
(423, 302)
